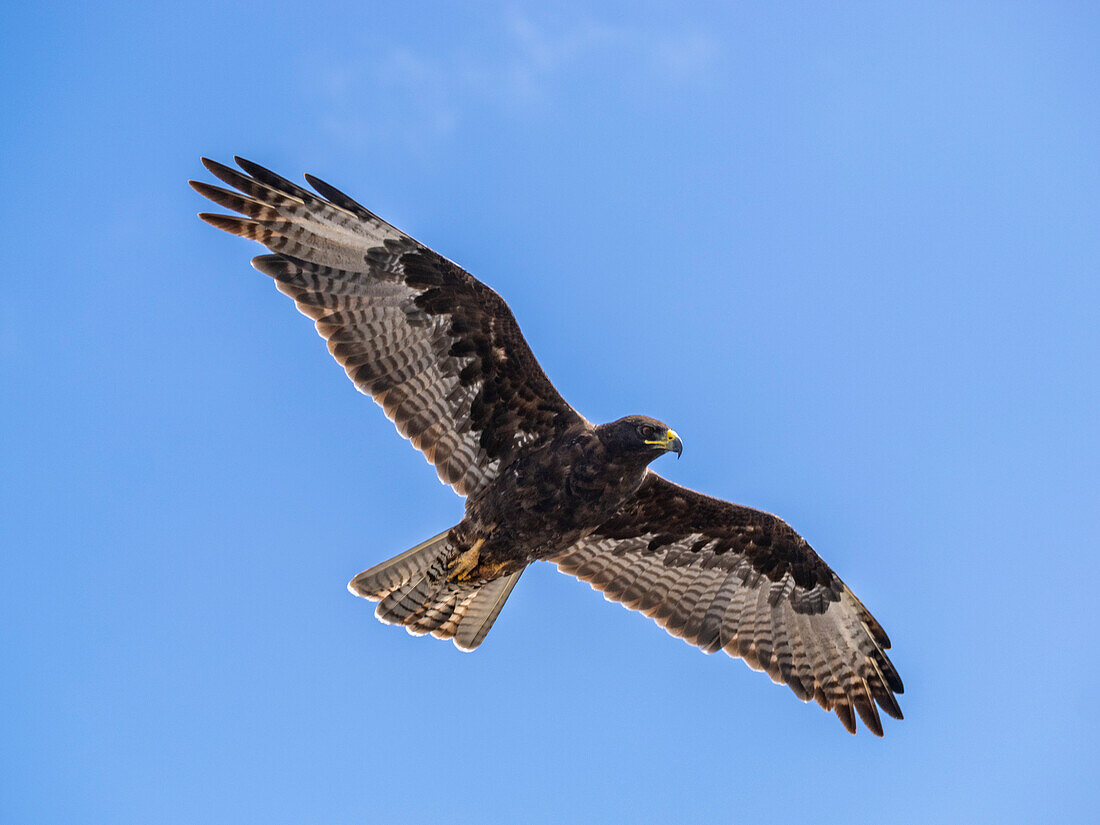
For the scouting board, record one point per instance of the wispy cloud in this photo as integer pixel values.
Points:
(419, 96)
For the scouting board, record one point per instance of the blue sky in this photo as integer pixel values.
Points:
(850, 254)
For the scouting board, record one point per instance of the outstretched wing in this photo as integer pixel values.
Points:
(723, 576)
(436, 348)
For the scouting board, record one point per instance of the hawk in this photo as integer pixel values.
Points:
(443, 355)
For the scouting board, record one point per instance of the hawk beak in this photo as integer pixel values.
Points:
(673, 443)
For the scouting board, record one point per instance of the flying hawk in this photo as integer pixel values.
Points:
(442, 354)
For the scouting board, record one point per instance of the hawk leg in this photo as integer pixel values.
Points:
(465, 563)
(493, 571)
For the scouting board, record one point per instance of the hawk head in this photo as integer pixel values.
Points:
(640, 436)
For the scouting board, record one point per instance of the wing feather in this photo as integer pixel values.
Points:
(436, 348)
(723, 576)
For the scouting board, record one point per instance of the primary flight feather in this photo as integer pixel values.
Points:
(443, 355)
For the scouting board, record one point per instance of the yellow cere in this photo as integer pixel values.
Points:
(669, 436)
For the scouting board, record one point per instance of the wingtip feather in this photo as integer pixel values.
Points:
(217, 220)
(276, 181)
(339, 198)
(227, 223)
(218, 169)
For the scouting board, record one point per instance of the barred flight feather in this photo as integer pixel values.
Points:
(769, 599)
(395, 315)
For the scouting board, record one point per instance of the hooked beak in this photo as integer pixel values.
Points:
(673, 443)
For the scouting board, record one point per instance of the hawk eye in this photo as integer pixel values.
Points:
(648, 431)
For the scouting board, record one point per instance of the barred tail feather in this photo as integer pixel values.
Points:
(412, 590)
(382, 579)
(482, 610)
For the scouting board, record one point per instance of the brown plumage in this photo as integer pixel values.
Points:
(443, 356)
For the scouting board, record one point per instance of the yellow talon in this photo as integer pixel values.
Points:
(465, 563)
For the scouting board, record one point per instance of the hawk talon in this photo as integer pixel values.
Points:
(465, 563)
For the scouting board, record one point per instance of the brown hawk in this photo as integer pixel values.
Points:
(442, 354)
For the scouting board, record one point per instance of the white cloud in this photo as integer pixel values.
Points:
(685, 55)
(420, 97)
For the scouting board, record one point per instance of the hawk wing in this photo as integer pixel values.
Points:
(436, 348)
(723, 576)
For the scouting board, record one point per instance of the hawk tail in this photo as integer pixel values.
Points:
(412, 590)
